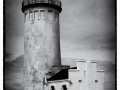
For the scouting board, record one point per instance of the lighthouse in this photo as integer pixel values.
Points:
(41, 40)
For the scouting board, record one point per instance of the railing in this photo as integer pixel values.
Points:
(27, 2)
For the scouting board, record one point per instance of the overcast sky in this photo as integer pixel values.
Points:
(87, 29)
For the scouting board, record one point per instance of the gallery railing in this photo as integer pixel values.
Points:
(28, 2)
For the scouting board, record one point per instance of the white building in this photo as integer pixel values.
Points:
(83, 77)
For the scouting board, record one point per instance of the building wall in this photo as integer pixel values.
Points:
(58, 85)
(42, 45)
(100, 83)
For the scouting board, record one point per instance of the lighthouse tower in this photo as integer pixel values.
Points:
(41, 40)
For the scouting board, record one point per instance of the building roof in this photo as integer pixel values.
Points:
(62, 74)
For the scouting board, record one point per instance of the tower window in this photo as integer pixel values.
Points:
(25, 17)
(50, 15)
(36, 15)
(42, 14)
(52, 88)
(31, 16)
(64, 87)
(56, 17)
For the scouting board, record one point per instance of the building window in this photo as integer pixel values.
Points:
(31, 16)
(96, 84)
(52, 88)
(80, 80)
(96, 81)
(36, 15)
(80, 84)
(50, 15)
(42, 14)
(64, 87)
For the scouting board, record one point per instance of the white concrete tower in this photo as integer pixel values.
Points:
(41, 40)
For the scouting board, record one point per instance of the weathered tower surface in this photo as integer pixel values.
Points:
(42, 40)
